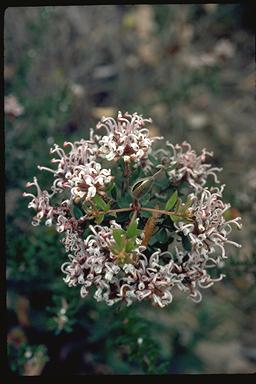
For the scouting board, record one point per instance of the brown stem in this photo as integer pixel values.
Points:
(119, 210)
(115, 211)
(163, 212)
(82, 219)
(135, 209)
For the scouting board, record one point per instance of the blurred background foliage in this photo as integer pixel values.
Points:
(189, 67)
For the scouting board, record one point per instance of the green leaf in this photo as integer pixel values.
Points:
(132, 229)
(144, 201)
(186, 243)
(152, 241)
(115, 249)
(175, 218)
(99, 218)
(188, 203)
(78, 212)
(135, 175)
(172, 201)
(86, 233)
(130, 245)
(113, 192)
(162, 236)
(125, 201)
(118, 237)
(100, 203)
(178, 205)
(109, 187)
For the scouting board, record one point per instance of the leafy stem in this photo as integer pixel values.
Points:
(153, 210)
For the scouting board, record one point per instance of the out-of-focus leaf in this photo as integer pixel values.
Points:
(114, 192)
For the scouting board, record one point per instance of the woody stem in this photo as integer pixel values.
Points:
(163, 212)
(154, 210)
(117, 210)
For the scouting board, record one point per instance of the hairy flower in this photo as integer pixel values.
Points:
(186, 165)
(92, 262)
(153, 278)
(126, 137)
(88, 179)
(40, 203)
(118, 258)
(209, 230)
(78, 171)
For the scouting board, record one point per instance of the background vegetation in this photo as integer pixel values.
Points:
(189, 67)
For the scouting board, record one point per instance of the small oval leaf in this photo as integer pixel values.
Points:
(117, 234)
(100, 203)
(132, 229)
(172, 201)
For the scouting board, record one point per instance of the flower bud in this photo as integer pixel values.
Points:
(142, 186)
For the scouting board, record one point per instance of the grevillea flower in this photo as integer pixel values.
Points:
(40, 203)
(209, 230)
(126, 137)
(153, 278)
(117, 259)
(88, 179)
(78, 170)
(186, 165)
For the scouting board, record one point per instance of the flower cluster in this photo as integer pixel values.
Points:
(40, 203)
(209, 229)
(126, 138)
(186, 165)
(132, 258)
(93, 264)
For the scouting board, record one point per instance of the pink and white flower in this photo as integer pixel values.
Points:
(126, 137)
(208, 232)
(186, 165)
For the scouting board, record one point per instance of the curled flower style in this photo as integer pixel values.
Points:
(159, 244)
(89, 179)
(209, 230)
(93, 264)
(186, 165)
(127, 138)
(78, 170)
(40, 203)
